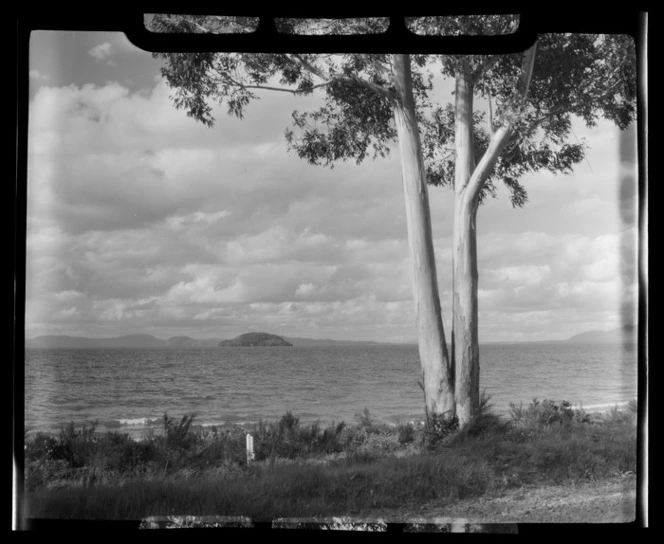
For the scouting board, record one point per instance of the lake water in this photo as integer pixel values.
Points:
(129, 390)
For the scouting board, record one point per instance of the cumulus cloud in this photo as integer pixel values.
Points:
(553, 278)
(305, 289)
(141, 219)
(102, 52)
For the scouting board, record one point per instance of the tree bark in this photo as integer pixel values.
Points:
(437, 370)
(465, 307)
(465, 347)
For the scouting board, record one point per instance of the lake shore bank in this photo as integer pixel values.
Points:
(308, 470)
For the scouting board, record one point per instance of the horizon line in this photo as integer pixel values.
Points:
(405, 342)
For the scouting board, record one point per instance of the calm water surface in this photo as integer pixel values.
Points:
(130, 389)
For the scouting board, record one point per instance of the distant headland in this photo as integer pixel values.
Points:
(625, 335)
(175, 342)
(255, 339)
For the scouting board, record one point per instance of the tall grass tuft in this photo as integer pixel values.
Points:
(484, 423)
(75, 446)
(365, 419)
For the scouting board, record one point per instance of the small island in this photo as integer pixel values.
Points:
(255, 339)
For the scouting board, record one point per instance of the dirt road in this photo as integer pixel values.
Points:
(607, 501)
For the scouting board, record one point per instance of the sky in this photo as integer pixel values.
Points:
(142, 220)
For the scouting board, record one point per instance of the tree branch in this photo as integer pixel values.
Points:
(527, 65)
(501, 137)
(488, 160)
(485, 67)
(310, 67)
(383, 91)
(226, 77)
(384, 68)
(286, 90)
(352, 78)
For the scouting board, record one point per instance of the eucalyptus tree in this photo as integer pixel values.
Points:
(371, 100)
(530, 102)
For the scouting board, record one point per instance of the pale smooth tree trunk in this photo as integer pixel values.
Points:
(465, 346)
(468, 183)
(465, 307)
(437, 371)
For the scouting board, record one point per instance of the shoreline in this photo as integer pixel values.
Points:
(546, 455)
(136, 427)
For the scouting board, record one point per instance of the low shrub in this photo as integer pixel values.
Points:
(406, 433)
(42, 474)
(273, 440)
(76, 446)
(547, 412)
(41, 446)
(179, 435)
(288, 424)
(219, 448)
(619, 417)
(287, 438)
(329, 441)
(121, 453)
(365, 419)
(439, 428)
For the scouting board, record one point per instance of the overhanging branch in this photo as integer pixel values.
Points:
(488, 161)
(310, 67)
(501, 136)
(329, 78)
(383, 91)
(287, 90)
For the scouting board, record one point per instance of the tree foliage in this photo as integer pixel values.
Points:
(575, 75)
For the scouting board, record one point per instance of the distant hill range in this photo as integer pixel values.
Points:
(128, 341)
(175, 342)
(622, 335)
(626, 335)
(187, 342)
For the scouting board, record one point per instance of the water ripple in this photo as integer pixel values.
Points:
(325, 384)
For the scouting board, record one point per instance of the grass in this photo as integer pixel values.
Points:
(311, 470)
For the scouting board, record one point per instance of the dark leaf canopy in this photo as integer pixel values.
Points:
(471, 25)
(341, 26)
(353, 121)
(356, 121)
(200, 24)
(574, 75)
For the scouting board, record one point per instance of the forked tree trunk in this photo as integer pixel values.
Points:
(465, 345)
(437, 370)
(468, 183)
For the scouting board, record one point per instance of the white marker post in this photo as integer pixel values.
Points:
(250, 448)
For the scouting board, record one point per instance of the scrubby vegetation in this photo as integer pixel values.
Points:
(308, 470)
